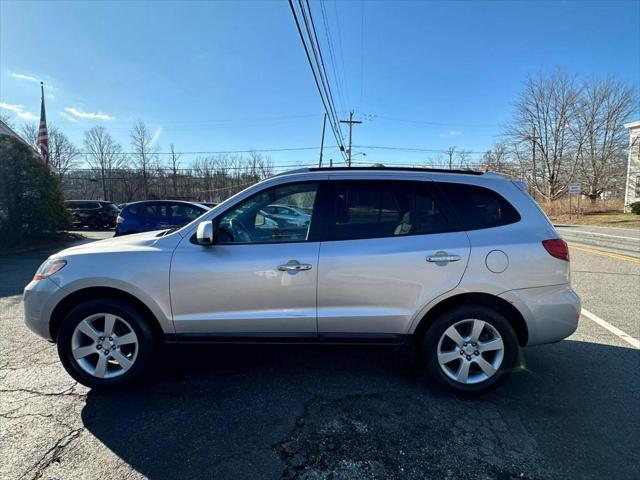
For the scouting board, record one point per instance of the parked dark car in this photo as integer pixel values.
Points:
(151, 215)
(94, 214)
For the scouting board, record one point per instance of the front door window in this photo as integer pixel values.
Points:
(255, 220)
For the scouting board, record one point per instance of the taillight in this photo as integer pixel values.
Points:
(557, 248)
(119, 220)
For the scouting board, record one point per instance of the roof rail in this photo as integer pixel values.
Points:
(403, 169)
(289, 172)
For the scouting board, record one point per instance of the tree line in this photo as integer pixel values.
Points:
(566, 130)
(562, 130)
(110, 173)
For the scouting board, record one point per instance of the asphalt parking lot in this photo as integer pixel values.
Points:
(572, 410)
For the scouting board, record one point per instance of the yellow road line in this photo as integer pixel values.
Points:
(605, 254)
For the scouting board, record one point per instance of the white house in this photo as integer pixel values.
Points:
(632, 190)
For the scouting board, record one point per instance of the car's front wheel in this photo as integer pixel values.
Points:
(470, 348)
(105, 343)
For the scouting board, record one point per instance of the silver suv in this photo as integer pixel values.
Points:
(464, 264)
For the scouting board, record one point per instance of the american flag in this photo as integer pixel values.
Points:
(43, 135)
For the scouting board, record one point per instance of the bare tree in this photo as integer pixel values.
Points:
(542, 130)
(464, 158)
(174, 162)
(6, 118)
(104, 154)
(497, 158)
(604, 108)
(144, 153)
(63, 154)
(450, 151)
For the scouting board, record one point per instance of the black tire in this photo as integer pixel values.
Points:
(93, 224)
(143, 331)
(444, 321)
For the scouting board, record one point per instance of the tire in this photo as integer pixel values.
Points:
(93, 224)
(114, 364)
(487, 363)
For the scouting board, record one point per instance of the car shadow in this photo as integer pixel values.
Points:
(264, 411)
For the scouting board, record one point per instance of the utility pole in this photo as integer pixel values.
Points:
(324, 125)
(534, 139)
(351, 121)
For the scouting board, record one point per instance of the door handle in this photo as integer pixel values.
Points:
(294, 267)
(443, 258)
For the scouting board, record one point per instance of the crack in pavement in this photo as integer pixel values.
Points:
(51, 455)
(67, 392)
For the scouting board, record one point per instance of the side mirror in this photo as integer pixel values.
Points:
(204, 234)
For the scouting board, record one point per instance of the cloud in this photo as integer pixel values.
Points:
(30, 78)
(23, 76)
(451, 133)
(68, 117)
(156, 136)
(18, 110)
(88, 115)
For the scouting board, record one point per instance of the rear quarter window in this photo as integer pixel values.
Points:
(131, 210)
(479, 207)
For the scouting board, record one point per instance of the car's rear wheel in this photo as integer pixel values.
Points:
(105, 343)
(93, 223)
(470, 348)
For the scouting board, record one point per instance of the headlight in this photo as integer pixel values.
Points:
(48, 268)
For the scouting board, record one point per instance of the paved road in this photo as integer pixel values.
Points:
(328, 412)
(625, 241)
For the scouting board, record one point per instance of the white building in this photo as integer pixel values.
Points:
(632, 190)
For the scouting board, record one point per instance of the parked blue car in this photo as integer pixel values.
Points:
(152, 215)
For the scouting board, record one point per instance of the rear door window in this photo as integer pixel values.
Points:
(374, 209)
(429, 216)
(183, 213)
(479, 207)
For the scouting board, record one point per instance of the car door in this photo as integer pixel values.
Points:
(257, 279)
(391, 247)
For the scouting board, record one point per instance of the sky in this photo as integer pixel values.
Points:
(226, 76)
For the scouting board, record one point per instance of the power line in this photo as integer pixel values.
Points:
(434, 124)
(416, 149)
(323, 70)
(361, 52)
(206, 123)
(317, 54)
(329, 108)
(213, 169)
(215, 152)
(337, 77)
(344, 70)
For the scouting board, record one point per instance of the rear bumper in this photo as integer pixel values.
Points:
(551, 313)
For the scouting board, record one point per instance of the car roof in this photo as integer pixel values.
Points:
(185, 202)
(391, 171)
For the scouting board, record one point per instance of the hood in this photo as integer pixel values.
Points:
(127, 243)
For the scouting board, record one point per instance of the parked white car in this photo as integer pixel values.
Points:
(464, 264)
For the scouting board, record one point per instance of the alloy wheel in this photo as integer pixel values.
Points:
(470, 351)
(104, 345)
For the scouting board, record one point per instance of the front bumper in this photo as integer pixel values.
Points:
(551, 313)
(40, 298)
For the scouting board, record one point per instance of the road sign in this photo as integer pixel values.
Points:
(575, 187)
